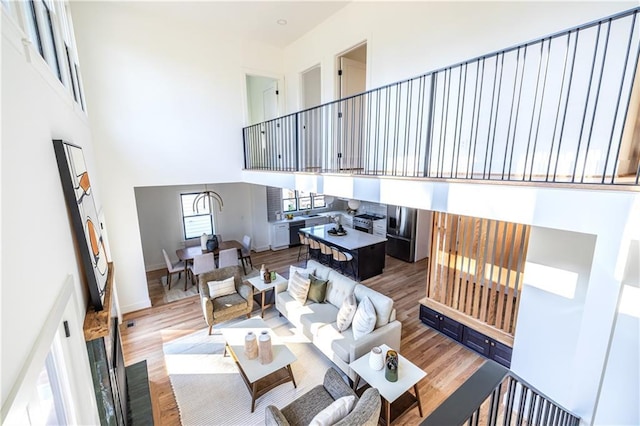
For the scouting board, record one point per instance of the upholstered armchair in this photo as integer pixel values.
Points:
(218, 309)
(365, 412)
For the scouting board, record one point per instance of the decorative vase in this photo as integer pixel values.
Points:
(262, 271)
(251, 346)
(264, 348)
(391, 362)
(203, 242)
(376, 359)
(266, 277)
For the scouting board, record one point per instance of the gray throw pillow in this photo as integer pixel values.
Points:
(317, 289)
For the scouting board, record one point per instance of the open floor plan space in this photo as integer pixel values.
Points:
(447, 363)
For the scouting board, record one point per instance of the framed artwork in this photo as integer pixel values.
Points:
(78, 194)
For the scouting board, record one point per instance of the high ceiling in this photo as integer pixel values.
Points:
(252, 20)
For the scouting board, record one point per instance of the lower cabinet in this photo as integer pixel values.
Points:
(469, 337)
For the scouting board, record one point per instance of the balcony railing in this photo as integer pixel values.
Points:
(551, 110)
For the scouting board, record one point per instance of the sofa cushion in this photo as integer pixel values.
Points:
(335, 412)
(381, 303)
(346, 312)
(319, 270)
(302, 271)
(338, 288)
(315, 316)
(317, 289)
(221, 288)
(364, 321)
(298, 287)
(305, 407)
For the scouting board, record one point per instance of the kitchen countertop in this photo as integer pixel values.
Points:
(352, 241)
(306, 217)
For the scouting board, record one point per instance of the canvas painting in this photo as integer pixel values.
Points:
(78, 193)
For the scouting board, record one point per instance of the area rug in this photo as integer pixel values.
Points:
(177, 290)
(208, 387)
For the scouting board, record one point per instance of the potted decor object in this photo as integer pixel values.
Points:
(391, 363)
(251, 345)
(376, 358)
(203, 242)
(264, 348)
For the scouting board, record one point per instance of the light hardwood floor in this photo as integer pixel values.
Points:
(447, 363)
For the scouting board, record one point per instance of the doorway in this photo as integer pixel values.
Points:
(311, 87)
(352, 71)
(262, 98)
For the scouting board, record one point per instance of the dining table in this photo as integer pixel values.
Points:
(187, 254)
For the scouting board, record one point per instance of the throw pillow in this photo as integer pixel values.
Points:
(364, 321)
(317, 289)
(221, 288)
(346, 313)
(298, 287)
(335, 412)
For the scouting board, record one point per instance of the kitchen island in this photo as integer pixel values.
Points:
(368, 250)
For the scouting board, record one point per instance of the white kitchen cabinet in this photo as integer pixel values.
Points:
(279, 236)
(347, 220)
(380, 227)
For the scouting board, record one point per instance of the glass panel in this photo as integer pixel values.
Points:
(201, 207)
(318, 201)
(50, 43)
(32, 24)
(47, 406)
(288, 193)
(194, 226)
(289, 205)
(305, 203)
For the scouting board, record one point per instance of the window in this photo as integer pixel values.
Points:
(196, 220)
(33, 28)
(300, 200)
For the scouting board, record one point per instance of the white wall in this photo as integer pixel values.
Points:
(411, 38)
(167, 104)
(38, 250)
(160, 217)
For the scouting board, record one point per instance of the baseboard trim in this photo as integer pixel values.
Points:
(136, 306)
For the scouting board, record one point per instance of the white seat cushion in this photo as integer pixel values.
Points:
(320, 314)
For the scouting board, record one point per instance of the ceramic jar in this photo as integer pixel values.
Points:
(251, 346)
(264, 348)
(203, 242)
(376, 358)
(262, 271)
(391, 366)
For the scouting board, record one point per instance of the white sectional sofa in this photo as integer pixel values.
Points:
(317, 321)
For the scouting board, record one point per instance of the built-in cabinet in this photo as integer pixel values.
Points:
(279, 236)
(466, 335)
(380, 227)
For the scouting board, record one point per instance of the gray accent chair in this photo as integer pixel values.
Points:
(366, 410)
(225, 307)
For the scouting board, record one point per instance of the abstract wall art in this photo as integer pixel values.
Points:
(78, 194)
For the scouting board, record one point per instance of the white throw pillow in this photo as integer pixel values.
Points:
(346, 312)
(298, 287)
(364, 321)
(221, 288)
(335, 412)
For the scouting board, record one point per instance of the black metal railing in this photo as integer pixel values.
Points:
(551, 110)
(515, 402)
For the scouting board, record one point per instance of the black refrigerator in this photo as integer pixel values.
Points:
(401, 232)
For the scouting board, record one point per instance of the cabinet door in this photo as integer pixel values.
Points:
(451, 328)
(430, 317)
(476, 341)
(500, 353)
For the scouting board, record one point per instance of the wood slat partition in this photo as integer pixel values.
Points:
(476, 267)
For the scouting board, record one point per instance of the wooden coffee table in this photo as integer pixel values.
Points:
(393, 393)
(259, 378)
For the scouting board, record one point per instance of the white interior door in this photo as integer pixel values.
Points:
(270, 101)
(352, 81)
(354, 77)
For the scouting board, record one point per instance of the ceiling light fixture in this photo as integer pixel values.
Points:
(205, 195)
(282, 22)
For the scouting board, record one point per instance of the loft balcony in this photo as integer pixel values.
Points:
(563, 109)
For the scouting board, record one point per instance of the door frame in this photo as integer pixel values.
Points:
(336, 66)
(260, 73)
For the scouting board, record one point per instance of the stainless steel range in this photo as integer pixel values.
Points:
(364, 222)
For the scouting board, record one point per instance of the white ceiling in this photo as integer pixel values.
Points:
(251, 20)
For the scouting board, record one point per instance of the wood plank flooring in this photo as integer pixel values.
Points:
(447, 363)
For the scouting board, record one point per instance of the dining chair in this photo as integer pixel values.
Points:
(201, 264)
(172, 268)
(228, 257)
(246, 253)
